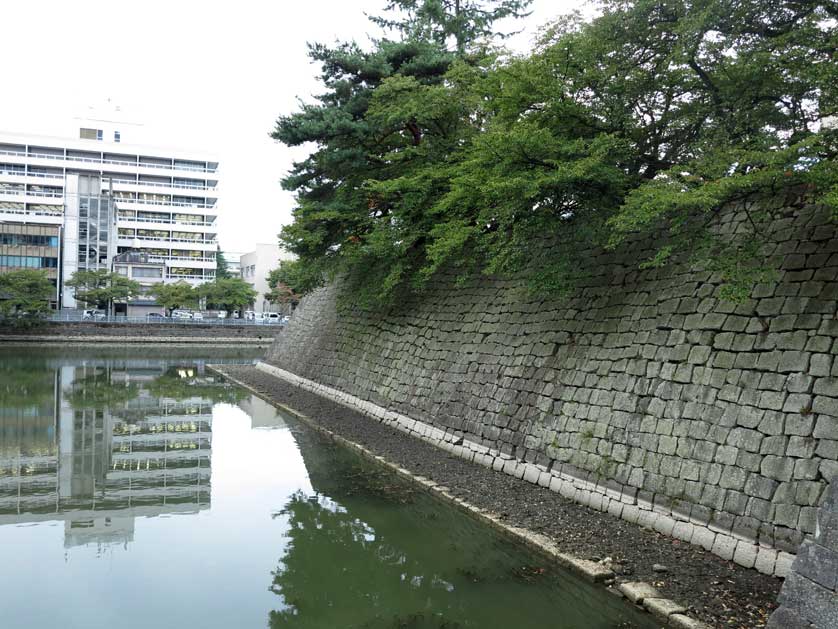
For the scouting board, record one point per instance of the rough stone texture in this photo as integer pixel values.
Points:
(638, 591)
(809, 597)
(642, 388)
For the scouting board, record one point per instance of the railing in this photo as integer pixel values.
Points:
(202, 206)
(179, 258)
(178, 276)
(23, 173)
(167, 239)
(163, 221)
(32, 212)
(32, 193)
(156, 184)
(93, 160)
(72, 316)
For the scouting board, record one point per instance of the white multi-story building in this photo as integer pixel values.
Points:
(108, 197)
(255, 267)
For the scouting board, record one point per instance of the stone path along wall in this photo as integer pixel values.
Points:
(643, 392)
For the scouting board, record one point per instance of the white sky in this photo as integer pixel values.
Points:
(202, 74)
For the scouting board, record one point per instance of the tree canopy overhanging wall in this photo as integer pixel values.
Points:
(647, 119)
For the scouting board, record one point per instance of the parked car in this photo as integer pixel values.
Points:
(258, 317)
(198, 316)
(93, 315)
(249, 315)
(285, 319)
(221, 314)
(155, 315)
(272, 317)
(181, 314)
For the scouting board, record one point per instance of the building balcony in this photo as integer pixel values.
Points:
(149, 223)
(166, 242)
(34, 179)
(191, 263)
(8, 215)
(98, 163)
(129, 204)
(130, 185)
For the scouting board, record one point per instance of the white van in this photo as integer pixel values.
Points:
(272, 317)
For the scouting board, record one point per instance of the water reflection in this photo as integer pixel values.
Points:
(98, 443)
(285, 528)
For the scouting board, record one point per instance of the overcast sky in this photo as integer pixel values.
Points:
(201, 74)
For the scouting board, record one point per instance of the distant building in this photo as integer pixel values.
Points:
(105, 197)
(255, 267)
(31, 246)
(234, 266)
(145, 269)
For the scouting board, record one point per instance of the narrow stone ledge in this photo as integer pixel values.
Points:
(637, 591)
(680, 621)
(566, 481)
(663, 608)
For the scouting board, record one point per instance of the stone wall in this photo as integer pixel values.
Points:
(643, 392)
(809, 597)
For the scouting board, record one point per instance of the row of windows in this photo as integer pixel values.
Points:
(141, 271)
(95, 156)
(28, 240)
(146, 272)
(29, 262)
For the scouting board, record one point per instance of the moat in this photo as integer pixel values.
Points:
(138, 489)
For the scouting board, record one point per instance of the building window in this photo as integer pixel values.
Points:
(28, 240)
(99, 134)
(29, 262)
(146, 272)
(88, 134)
(116, 136)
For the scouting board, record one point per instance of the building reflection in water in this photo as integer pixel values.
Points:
(99, 443)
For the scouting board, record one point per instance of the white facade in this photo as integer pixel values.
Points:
(165, 199)
(255, 267)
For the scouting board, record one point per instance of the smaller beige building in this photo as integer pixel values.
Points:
(146, 270)
(255, 267)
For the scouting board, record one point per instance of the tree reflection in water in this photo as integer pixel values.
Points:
(338, 572)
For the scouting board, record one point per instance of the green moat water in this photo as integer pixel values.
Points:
(139, 490)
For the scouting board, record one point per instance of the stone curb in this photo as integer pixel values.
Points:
(642, 594)
(585, 489)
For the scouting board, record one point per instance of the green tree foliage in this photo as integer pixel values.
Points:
(177, 295)
(101, 288)
(291, 280)
(463, 21)
(25, 296)
(645, 120)
(228, 294)
(222, 269)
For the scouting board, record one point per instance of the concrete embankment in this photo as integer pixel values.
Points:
(153, 333)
